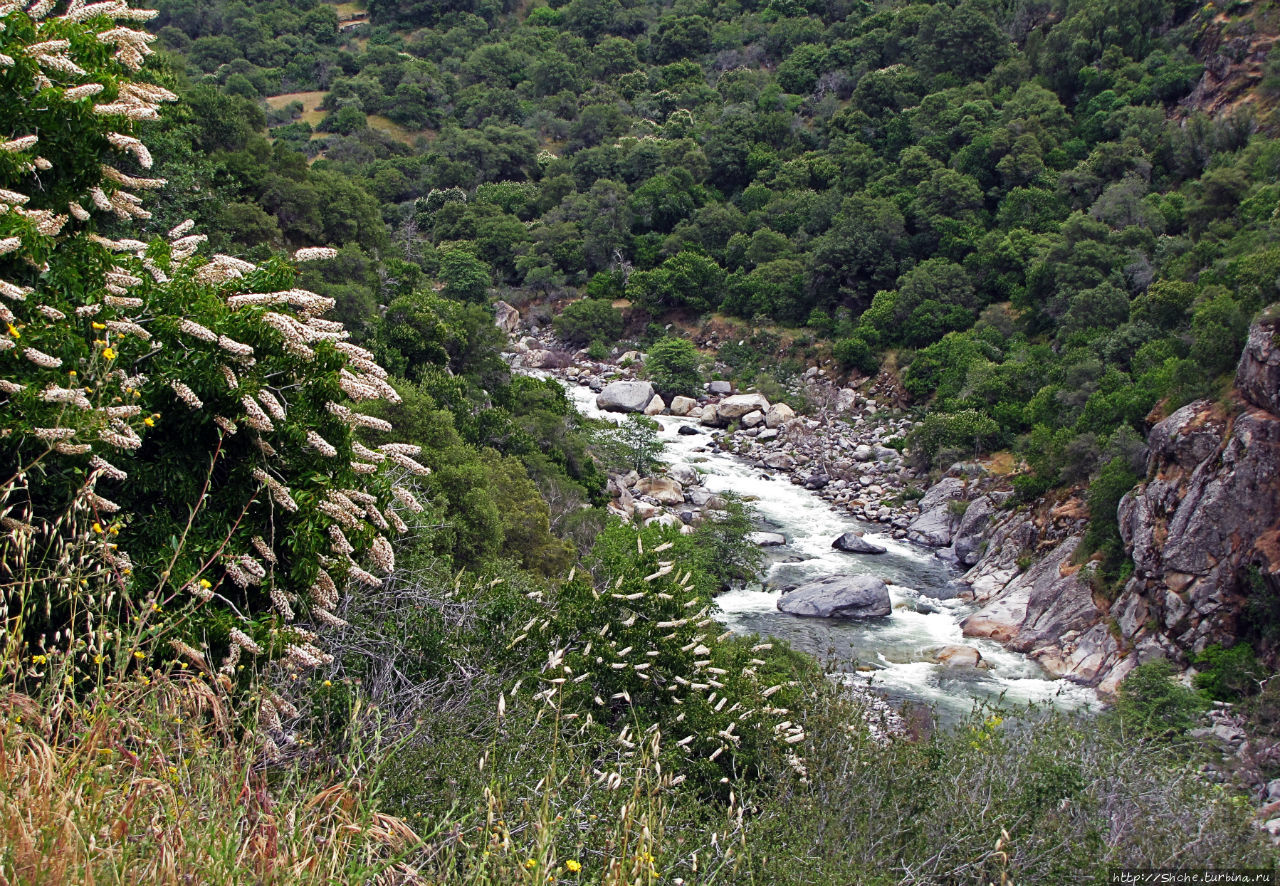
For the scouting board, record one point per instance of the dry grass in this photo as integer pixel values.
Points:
(395, 130)
(143, 785)
(311, 112)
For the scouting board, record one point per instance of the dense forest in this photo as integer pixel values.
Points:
(1044, 224)
(1020, 209)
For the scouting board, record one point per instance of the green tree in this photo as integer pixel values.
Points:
(466, 277)
(589, 321)
(672, 365)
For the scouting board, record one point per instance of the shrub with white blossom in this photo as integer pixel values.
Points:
(178, 445)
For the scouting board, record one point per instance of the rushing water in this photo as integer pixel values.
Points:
(896, 652)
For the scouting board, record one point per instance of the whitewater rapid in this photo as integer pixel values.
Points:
(895, 654)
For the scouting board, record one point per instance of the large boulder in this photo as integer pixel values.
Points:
(1258, 375)
(505, 317)
(735, 407)
(767, 539)
(778, 415)
(540, 359)
(710, 416)
(720, 387)
(663, 490)
(655, 406)
(779, 461)
(958, 657)
(753, 419)
(938, 518)
(839, 596)
(853, 543)
(625, 396)
(681, 405)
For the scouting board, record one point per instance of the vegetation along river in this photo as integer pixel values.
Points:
(896, 653)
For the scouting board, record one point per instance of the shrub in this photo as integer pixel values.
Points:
(589, 321)
(1228, 674)
(672, 365)
(1152, 701)
(967, 431)
(855, 353)
(1103, 535)
(179, 456)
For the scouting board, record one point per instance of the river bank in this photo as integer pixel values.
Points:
(918, 654)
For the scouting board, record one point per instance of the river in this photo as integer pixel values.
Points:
(894, 653)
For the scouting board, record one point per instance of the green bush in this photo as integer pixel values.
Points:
(1103, 535)
(1228, 674)
(181, 444)
(672, 364)
(967, 431)
(1152, 702)
(589, 321)
(855, 353)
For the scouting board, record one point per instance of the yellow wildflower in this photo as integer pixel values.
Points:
(149, 422)
(97, 325)
(531, 864)
(204, 583)
(573, 865)
(109, 353)
(13, 330)
(97, 527)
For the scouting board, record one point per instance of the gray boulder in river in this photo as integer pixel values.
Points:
(625, 396)
(853, 543)
(838, 596)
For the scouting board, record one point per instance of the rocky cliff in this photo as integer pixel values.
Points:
(1205, 520)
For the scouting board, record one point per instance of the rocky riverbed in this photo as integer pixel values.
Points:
(804, 476)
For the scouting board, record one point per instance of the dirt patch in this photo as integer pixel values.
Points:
(1000, 464)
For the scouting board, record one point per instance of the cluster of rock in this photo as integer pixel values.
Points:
(674, 498)
(1204, 521)
(1244, 759)
(839, 455)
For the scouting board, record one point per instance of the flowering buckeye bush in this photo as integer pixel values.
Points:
(178, 445)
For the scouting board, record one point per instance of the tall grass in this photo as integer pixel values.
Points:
(148, 784)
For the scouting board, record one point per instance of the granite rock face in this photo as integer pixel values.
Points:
(1258, 375)
(1206, 519)
(938, 521)
(1050, 613)
(1208, 514)
(838, 596)
(967, 543)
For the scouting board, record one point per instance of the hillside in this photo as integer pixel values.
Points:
(313, 575)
